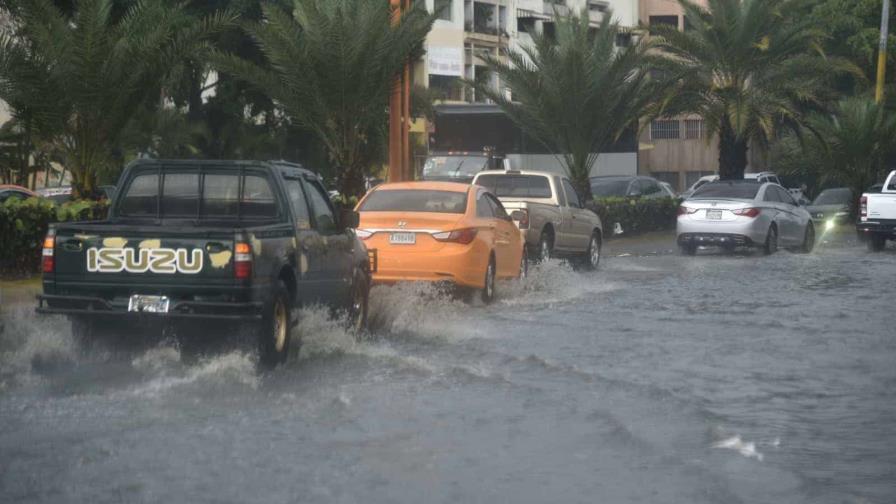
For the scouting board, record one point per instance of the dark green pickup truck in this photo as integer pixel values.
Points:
(239, 241)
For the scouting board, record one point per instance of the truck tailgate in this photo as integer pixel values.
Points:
(114, 260)
(881, 206)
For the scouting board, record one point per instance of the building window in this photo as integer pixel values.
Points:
(693, 128)
(446, 87)
(525, 25)
(663, 20)
(444, 9)
(671, 177)
(664, 130)
(623, 39)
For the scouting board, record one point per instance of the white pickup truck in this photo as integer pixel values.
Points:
(548, 212)
(877, 215)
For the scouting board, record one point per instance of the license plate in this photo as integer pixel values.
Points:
(148, 304)
(403, 238)
(714, 214)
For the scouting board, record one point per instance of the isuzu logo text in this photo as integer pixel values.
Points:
(156, 260)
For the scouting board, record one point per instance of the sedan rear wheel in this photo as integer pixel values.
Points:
(808, 240)
(771, 241)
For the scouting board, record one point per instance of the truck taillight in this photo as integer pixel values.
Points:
(863, 206)
(48, 261)
(521, 217)
(242, 261)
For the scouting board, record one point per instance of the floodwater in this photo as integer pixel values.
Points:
(658, 379)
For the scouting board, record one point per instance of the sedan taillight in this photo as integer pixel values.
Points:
(683, 210)
(747, 212)
(462, 236)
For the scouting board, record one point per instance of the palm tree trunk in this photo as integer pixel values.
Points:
(732, 154)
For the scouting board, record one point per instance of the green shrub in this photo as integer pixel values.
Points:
(636, 215)
(23, 225)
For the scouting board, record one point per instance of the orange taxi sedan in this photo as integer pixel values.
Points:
(440, 232)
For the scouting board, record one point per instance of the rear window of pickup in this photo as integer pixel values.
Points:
(516, 186)
(192, 195)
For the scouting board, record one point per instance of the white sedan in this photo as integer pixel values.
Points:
(743, 213)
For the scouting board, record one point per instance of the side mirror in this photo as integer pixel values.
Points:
(349, 218)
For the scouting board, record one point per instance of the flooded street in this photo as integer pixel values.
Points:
(658, 379)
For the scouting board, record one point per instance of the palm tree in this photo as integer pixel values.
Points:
(330, 66)
(575, 92)
(848, 147)
(750, 68)
(82, 76)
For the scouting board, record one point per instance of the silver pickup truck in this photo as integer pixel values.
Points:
(877, 215)
(549, 213)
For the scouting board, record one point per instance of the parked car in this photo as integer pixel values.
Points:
(242, 242)
(667, 187)
(623, 186)
(761, 177)
(831, 207)
(743, 213)
(877, 215)
(546, 208)
(9, 191)
(441, 232)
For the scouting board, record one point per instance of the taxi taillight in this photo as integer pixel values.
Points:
(242, 261)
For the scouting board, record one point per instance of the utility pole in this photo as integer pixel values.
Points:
(882, 51)
(400, 168)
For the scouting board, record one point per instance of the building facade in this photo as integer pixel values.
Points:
(674, 150)
(469, 31)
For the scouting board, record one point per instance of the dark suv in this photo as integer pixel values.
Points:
(240, 241)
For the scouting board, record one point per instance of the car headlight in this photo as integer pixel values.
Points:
(829, 225)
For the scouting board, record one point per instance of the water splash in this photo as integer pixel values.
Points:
(747, 449)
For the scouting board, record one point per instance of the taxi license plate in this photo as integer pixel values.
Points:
(714, 214)
(403, 238)
(148, 304)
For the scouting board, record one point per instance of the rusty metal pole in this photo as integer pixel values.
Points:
(399, 115)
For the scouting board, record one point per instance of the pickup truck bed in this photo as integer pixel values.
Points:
(877, 215)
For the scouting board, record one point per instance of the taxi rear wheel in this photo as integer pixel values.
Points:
(488, 291)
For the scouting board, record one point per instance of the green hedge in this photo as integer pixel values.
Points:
(23, 225)
(636, 215)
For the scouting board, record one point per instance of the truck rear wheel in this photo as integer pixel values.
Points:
(876, 242)
(591, 257)
(274, 331)
(357, 311)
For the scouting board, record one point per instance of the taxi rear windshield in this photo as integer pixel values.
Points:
(415, 200)
(194, 195)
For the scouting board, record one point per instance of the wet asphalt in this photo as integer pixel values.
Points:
(658, 379)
